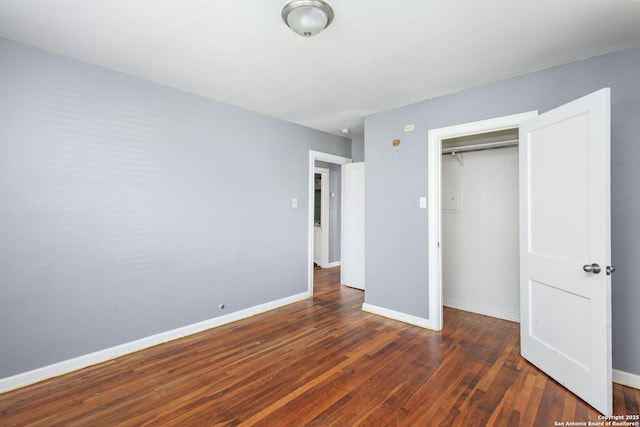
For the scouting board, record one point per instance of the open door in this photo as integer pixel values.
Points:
(352, 263)
(565, 247)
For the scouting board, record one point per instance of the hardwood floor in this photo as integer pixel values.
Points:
(322, 362)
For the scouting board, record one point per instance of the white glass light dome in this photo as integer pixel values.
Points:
(307, 17)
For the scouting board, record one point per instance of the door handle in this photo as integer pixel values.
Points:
(610, 269)
(593, 268)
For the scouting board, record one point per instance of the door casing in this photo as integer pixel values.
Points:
(323, 157)
(434, 199)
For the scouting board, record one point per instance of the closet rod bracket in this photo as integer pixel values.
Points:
(458, 156)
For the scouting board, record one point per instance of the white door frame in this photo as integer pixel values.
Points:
(324, 213)
(435, 185)
(323, 157)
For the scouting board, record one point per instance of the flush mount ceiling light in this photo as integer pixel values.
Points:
(307, 17)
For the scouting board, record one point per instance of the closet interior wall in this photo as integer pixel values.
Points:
(480, 224)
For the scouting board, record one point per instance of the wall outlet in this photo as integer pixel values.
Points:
(409, 128)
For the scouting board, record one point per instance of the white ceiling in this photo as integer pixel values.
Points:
(376, 55)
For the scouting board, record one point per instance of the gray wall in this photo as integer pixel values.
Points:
(128, 208)
(357, 149)
(335, 187)
(396, 230)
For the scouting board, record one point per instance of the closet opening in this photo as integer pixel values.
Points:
(480, 223)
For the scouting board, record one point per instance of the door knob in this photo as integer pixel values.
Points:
(610, 269)
(593, 268)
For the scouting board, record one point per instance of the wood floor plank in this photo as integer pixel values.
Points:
(320, 362)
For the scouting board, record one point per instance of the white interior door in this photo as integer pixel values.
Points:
(352, 262)
(565, 254)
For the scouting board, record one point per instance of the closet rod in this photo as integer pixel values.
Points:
(480, 147)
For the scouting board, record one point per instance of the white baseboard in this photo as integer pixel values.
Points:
(396, 315)
(66, 366)
(332, 264)
(486, 311)
(625, 378)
